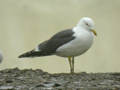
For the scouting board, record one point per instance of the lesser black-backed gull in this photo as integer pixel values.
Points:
(68, 43)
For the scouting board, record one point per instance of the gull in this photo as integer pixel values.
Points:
(67, 43)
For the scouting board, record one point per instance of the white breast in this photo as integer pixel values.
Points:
(82, 42)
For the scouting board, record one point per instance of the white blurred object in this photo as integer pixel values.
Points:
(1, 57)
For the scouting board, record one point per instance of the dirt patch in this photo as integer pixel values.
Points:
(15, 79)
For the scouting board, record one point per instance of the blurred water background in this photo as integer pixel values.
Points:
(26, 23)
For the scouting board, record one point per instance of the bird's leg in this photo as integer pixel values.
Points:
(70, 63)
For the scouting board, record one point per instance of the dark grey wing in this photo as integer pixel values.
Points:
(49, 47)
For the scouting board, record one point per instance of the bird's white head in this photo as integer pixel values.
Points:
(87, 23)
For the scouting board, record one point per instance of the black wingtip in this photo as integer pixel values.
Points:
(19, 57)
(28, 54)
(33, 54)
(22, 56)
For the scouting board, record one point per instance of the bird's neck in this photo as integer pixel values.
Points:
(77, 27)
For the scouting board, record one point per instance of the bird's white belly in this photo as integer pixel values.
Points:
(75, 47)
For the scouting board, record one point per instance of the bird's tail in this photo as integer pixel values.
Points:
(32, 53)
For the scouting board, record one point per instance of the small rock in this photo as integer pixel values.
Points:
(6, 88)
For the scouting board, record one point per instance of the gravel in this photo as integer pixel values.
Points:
(28, 79)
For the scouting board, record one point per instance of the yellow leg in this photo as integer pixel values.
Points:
(70, 63)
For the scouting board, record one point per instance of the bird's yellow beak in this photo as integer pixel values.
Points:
(94, 32)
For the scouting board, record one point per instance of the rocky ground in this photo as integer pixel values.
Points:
(15, 79)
